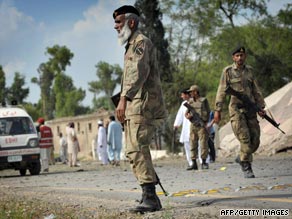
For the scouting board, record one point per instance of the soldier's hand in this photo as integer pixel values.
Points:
(208, 127)
(217, 117)
(188, 115)
(121, 108)
(262, 113)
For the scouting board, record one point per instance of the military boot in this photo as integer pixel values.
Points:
(205, 165)
(194, 166)
(143, 194)
(237, 159)
(246, 169)
(150, 201)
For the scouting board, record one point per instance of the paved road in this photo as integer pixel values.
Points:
(192, 194)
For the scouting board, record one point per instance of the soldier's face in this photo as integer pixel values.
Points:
(194, 94)
(122, 26)
(239, 58)
(120, 22)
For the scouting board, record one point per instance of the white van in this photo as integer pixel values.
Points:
(19, 142)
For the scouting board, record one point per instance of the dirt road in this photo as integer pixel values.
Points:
(95, 191)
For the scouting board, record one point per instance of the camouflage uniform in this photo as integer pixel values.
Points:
(244, 123)
(198, 133)
(145, 106)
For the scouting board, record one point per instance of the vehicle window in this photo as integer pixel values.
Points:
(16, 126)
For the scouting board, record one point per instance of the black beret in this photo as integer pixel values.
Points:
(125, 9)
(238, 49)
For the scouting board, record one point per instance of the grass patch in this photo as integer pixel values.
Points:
(17, 208)
(14, 207)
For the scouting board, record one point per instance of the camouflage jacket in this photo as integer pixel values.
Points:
(241, 80)
(141, 80)
(201, 106)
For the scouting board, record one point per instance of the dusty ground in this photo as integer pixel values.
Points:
(95, 191)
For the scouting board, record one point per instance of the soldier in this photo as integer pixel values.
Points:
(244, 123)
(141, 106)
(199, 132)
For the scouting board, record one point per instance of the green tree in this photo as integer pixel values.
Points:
(59, 59)
(285, 16)
(34, 110)
(68, 98)
(269, 53)
(45, 81)
(73, 106)
(109, 76)
(101, 102)
(194, 22)
(268, 47)
(152, 27)
(62, 85)
(17, 91)
(2, 85)
(233, 8)
(202, 34)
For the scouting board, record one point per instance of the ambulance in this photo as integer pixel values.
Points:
(19, 142)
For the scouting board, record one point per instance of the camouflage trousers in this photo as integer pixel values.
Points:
(138, 137)
(199, 134)
(247, 131)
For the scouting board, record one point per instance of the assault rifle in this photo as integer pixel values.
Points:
(159, 183)
(196, 119)
(116, 99)
(251, 106)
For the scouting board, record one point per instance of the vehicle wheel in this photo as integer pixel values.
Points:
(22, 172)
(35, 168)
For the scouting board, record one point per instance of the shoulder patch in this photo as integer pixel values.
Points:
(226, 71)
(227, 68)
(139, 48)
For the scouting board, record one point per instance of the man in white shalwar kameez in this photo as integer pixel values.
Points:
(114, 141)
(73, 145)
(180, 119)
(102, 144)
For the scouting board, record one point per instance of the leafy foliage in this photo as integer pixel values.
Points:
(202, 34)
(151, 25)
(59, 97)
(194, 44)
(109, 77)
(68, 98)
(16, 91)
(34, 110)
